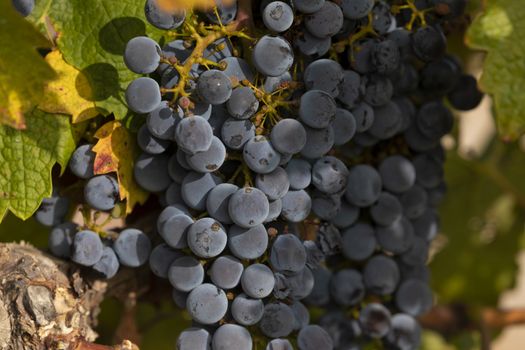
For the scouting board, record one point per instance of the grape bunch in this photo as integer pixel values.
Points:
(295, 151)
(89, 245)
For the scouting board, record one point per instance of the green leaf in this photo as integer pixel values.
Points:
(23, 72)
(92, 36)
(26, 160)
(500, 30)
(482, 222)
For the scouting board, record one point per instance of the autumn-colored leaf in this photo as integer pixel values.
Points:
(116, 151)
(23, 72)
(64, 94)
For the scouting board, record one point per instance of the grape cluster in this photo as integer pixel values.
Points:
(90, 246)
(299, 167)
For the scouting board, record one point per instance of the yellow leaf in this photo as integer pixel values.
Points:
(116, 151)
(23, 72)
(64, 94)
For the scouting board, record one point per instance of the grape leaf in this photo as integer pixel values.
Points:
(92, 36)
(23, 72)
(63, 95)
(483, 238)
(116, 151)
(26, 160)
(499, 30)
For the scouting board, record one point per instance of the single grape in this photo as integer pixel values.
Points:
(163, 120)
(325, 75)
(162, 19)
(209, 160)
(248, 207)
(414, 297)
(82, 160)
(232, 337)
(186, 273)
(218, 200)
(414, 202)
(320, 294)
(381, 275)
(61, 239)
(274, 185)
(465, 95)
(149, 143)
(175, 229)
(379, 90)
(279, 344)
(108, 264)
(317, 109)
(257, 281)
(346, 287)
(250, 243)
(194, 339)
(235, 133)
(101, 192)
(374, 320)
(226, 271)
(24, 7)
(226, 12)
(143, 95)
(271, 84)
(397, 173)
(299, 173)
(356, 9)
(344, 126)
(214, 87)
(151, 172)
(311, 45)
(161, 258)
(405, 332)
(296, 205)
(346, 216)
(329, 175)
(364, 185)
(207, 304)
(194, 134)
(260, 156)
(302, 315)
(272, 55)
(132, 247)
(386, 56)
(309, 6)
(243, 103)
(275, 210)
(313, 337)
(52, 210)
(87, 248)
(387, 121)
(364, 116)
(325, 206)
(238, 68)
(386, 210)
(288, 136)
(288, 254)
(195, 189)
(247, 311)
(277, 321)
(278, 16)
(318, 142)
(429, 43)
(207, 238)
(358, 242)
(397, 237)
(142, 55)
(325, 22)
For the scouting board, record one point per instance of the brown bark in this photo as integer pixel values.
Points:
(47, 303)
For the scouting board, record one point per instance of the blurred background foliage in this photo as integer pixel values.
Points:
(473, 262)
